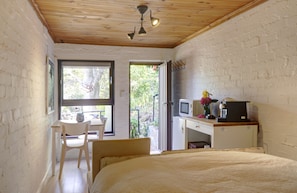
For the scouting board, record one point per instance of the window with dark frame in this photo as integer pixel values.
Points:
(86, 86)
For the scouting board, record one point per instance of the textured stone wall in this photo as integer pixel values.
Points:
(251, 57)
(24, 124)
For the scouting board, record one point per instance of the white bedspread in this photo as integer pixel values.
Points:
(200, 172)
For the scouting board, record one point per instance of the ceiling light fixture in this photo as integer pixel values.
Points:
(154, 21)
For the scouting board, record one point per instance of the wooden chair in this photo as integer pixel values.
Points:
(70, 140)
(98, 136)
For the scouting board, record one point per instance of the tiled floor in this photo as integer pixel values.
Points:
(73, 179)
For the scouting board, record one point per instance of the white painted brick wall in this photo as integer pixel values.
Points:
(251, 57)
(24, 125)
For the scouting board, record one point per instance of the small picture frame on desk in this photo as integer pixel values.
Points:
(50, 83)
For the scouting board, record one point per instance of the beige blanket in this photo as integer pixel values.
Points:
(200, 172)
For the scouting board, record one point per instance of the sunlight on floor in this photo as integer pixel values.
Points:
(73, 179)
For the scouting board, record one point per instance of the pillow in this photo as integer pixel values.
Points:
(250, 150)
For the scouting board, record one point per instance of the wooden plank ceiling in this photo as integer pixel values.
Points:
(107, 22)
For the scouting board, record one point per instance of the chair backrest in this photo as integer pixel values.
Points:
(75, 129)
(101, 134)
(103, 119)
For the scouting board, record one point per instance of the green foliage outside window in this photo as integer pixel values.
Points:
(144, 89)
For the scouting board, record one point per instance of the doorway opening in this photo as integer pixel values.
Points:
(144, 102)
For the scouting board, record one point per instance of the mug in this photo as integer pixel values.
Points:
(80, 117)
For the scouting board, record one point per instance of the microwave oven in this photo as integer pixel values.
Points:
(189, 108)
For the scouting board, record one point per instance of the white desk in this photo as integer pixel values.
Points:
(222, 135)
(96, 125)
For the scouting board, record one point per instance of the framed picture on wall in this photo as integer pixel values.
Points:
(50, 80)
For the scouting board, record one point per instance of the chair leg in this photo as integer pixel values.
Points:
(63, 152)
(87, 156)
(79, 158)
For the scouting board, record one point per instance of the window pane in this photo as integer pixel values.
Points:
(90, 112)
(86, 82)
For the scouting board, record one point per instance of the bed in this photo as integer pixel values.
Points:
(200, 171)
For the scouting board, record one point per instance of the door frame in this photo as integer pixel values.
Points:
(169, 105)
(166, 103)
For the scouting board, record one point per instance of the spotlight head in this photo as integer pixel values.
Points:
(142, 31)
(142, 9)
(154, 21)
(131, 35)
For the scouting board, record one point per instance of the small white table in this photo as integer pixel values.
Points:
(96, 125)
(224, 135)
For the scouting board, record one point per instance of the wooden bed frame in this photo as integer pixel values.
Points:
(103, 149)
(113, 148)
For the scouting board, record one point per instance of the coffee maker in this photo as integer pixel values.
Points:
(233, 111)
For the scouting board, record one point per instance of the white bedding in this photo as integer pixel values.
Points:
(199, 172)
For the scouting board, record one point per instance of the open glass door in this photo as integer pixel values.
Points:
(149, 113)
(144, 101)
